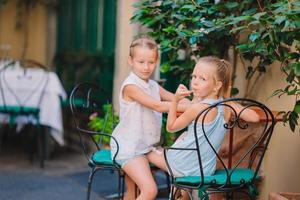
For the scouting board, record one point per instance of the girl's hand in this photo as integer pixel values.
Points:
(182, 92)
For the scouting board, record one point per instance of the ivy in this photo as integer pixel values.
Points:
(203, 27)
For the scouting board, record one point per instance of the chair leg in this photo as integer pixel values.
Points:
(90, 183)
(121, 183)
(123, 186)
(168, 182)
(1, 136)
(41, 145)
(172, 193)
(229, 196)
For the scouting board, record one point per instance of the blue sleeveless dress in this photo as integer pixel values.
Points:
(185, 163)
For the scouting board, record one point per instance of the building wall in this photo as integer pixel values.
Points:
(125, 33)
(15, 38)
(282, 161)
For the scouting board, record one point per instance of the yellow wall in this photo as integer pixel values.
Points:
(125, 32)
(282, 162)
(9, 35)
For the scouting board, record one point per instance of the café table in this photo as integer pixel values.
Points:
(33, 88)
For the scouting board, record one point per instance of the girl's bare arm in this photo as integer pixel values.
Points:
(134, 93)
(248, 114)
(174, 122)
(165, 94)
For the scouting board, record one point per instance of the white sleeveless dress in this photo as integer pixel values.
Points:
(139, 127)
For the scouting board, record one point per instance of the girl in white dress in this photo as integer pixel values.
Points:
(142, 101)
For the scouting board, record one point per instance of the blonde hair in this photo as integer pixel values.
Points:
(224, 73)
(143, 41)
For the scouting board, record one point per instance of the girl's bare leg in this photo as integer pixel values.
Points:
(139, 171)
(185, 195)
(158, 160)
(130, 188)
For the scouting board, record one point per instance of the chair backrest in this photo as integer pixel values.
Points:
(87, 100)
(3, 66)
(22, 87)
(253, 155)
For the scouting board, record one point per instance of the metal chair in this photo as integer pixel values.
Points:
(231, 178)
(15, 103)
(86, 99)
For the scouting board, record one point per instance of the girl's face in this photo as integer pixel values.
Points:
(204, 83)
(143, 62)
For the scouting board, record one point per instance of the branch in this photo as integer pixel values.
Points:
(252, 87)
(289, 4)
(189, 47)
(195, 4)
(285, 72)
(261, 8)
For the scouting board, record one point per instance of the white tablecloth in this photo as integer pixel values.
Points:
(25, 89)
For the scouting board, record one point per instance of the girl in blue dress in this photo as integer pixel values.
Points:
(210, 82)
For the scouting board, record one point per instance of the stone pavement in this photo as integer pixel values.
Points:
(64, 177)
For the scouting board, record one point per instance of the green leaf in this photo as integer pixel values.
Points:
(208, 23)
(189, 7)
(250, 72)
(165, 67)
(165, 43)
(290, 77)
(193, 40)
(234, 30)
(293, 120)
(258, 15)
(169, 29)
(297, 107)
(254, 36)
(179, 17)
(279, 19)
(243, 48)
(241, 18)
(201, 1)
(196, 19)
(234, 91)
(294, 55)
(296, 67)
(254, 23)
(138, 4)
(250, 11)
(231, 5)
(287, 26)
(181, 33)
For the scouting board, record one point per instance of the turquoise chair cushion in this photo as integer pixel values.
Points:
(78, 102)
(219, 178)
(102, 157)
(14, 111)
(19, 110)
